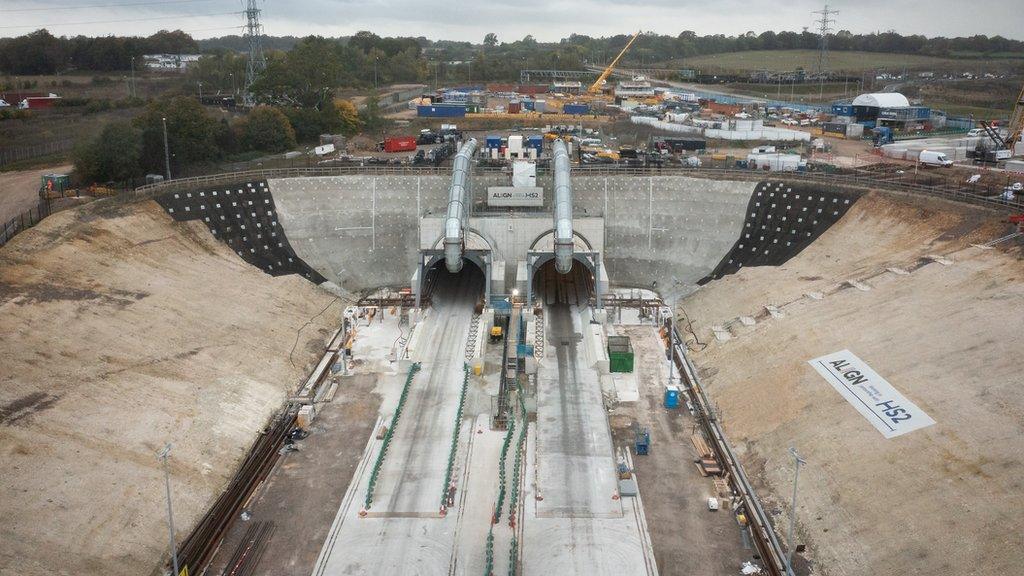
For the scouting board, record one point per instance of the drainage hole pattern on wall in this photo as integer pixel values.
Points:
(244, 217)
(782, 219)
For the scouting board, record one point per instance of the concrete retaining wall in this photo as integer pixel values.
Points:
(365, 231)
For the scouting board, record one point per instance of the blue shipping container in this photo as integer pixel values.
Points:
(528, 104)
(493, 142)
(576, 109)
(441, 111)
(536, 141)
(842, 109)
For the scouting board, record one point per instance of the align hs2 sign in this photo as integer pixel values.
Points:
(890, 412)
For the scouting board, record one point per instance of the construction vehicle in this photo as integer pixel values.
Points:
(596, 87)
(995, 149)
(496, 333)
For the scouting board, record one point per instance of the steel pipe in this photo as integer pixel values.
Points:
(563, 210)
(455, 222)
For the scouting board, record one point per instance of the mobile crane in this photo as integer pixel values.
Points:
(595, 88)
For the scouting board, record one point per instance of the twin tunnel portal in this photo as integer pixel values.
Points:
(559, 263)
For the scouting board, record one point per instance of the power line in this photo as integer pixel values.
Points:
(59, 24)
(824, 28)
(76, 7)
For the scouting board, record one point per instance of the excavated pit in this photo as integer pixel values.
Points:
(136, 326)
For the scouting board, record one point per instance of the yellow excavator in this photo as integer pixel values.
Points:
(595, 88)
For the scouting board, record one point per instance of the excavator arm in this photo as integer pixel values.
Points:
(596, 86)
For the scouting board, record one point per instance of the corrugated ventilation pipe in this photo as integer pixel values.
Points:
(454, 224)
(563, 210)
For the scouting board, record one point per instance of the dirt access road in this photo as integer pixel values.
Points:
(19, 189)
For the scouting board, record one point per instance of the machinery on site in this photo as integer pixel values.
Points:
(497, 332)
(598, 84)
(1001, 145)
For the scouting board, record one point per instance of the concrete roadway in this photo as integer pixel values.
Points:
(403, 532)
(575, 524)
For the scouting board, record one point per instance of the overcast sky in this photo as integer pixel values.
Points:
(545, 19)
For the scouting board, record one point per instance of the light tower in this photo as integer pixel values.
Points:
(256, 64)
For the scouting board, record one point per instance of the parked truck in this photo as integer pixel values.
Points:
(398, 144)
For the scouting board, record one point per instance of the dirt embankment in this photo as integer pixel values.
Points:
(121, 331)
(940, 499)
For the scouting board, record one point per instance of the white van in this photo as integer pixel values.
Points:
(929, 158)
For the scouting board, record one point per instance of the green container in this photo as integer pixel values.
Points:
(57, 182)
(620, 354)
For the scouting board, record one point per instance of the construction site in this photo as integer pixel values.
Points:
(547, 348)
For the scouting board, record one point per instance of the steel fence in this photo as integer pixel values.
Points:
(12, 155)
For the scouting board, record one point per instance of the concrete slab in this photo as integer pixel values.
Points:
(575, 462)
(585, 546)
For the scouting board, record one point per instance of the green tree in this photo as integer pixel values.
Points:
(192, 134)
(491, 40)
(304, 77)
(267, 129)
(113, 155)
(349, 122)
(370, 115)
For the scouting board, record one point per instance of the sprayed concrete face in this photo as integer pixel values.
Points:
(666, 233)
(364, 231)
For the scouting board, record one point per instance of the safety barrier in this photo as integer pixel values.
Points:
(950, 190)
(388, 435)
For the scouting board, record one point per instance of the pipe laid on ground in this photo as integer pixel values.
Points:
(454, 224)
(563, 210)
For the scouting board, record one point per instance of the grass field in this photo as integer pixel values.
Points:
(851, 62)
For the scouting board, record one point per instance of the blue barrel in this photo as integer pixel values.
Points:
(671, 397)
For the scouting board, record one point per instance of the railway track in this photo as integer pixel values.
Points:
(198, 549)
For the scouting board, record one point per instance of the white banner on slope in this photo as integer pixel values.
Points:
(888, 410)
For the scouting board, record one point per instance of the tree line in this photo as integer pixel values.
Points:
(43, 53)
(198, 136)
(366, 58)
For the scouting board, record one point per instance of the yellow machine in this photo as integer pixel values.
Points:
(496, 333)
(595, 88)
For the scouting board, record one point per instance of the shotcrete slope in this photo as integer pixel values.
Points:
(120, 331)
(942, 499)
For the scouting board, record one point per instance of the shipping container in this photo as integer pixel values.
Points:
(576, 109)
(442, 111)
(493, 142)
(58, 182)
(842, 109)
(540, 106)
(620, 354)
(515, 144)
(399, 144)
(528, 105)
(515, 107)
(535, 142)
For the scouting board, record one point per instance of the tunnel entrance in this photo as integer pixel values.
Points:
(574, 288)
(464, 287)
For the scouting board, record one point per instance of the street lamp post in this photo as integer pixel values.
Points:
(167, 150)
(163, 455)
(792, 511)
(134, 93)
